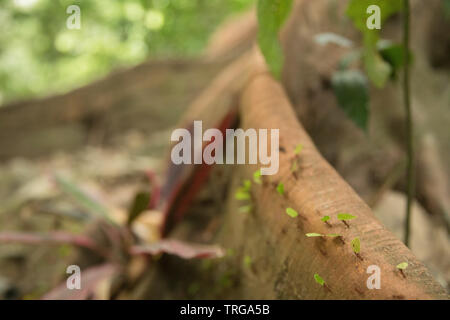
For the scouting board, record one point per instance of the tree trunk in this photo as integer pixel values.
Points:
(271, 256)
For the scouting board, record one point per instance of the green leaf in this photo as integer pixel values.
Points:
(230, 253)
(333, 235)
(356, 245)
(246, 209)
(294, 167)
(247, 184)
(377, 70)
(242, 195)
(298, 149)
(271, 16)
(319, 279)
(402, 266)
(83, 199)
(325, 218)
(139, 205)
(280, 188)
(247, 261)
(345, 216)
(357, 12)
(394, 54)
(257, 177)
(291, 212)
(311, 235)
(446, 5)
(351, 90)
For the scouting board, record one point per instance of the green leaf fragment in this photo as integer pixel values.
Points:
(139, 205)
(402, 266)
(230, 252)
(376, 68)
(345, 216)
(356, 245)
(333, 235)
(294, 167)
(352, 93)
(298, 149)
(246, 209)
(242, 195)
(319, 279)
(291, 212)
(394, 55)
(446, 5)
(247, 184)
(325, 218)
(247, 261)
(271, 16)
(310, 235)
(257, 177)
(280, 188)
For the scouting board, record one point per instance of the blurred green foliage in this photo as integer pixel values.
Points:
(39, 55)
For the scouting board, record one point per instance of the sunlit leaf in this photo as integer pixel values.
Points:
(271, 17)
(311, 235)
(291, 212)
(376, 68)
(319, 279)
(280, 188)
(402, 266)
(325, 218)
(345, 216)
(257, 177)
(356, 245)
(242, 195)
(298, 149)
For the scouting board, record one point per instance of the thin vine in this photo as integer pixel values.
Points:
(409, 121)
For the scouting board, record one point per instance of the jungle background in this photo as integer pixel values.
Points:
(86, 117)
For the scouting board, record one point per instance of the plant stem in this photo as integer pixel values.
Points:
(409, 120)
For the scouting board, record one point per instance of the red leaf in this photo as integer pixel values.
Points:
(90, 279)
(178, 248)
(183, 183)
(50, 238)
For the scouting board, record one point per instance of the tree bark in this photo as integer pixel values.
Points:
(285, 259)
